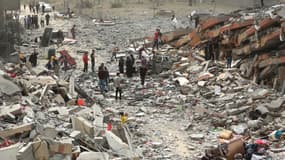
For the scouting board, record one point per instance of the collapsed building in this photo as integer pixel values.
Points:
(9, 26)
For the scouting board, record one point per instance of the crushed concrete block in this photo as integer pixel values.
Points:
(26, 153)
(64, 146)
(82, 125)
(225, 76)
(276, 104)
(202, 83)
(8, 87)
(10, 152)
(181, 81)
(197, 136)
(204, 76)
(117, 145)
(239, 129)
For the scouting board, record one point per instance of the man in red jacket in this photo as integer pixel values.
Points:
(85, 62)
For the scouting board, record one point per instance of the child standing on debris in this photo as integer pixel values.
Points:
(118, 86)
(42, 21)
(92, 57)
(85, 62)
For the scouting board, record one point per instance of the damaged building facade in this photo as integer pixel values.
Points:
(9, 26)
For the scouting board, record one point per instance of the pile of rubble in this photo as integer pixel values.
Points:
(255, 38)
(44, 117)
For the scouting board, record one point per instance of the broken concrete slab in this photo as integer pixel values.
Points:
(93, 156)
(8, 87)
(10, 152)
(82, 125)
(276, 104)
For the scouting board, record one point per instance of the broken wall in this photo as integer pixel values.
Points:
(246, 3)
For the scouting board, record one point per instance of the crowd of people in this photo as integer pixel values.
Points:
(37, 18)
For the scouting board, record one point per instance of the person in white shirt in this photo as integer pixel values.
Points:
(118, 86)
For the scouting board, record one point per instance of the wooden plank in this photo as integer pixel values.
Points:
(18, 129)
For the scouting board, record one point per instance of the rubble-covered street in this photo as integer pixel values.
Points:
(214, 84)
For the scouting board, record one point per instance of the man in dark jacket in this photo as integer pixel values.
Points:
(34, 58)
(92, 57)
(121, 65)
(102, 78)
(129, 67)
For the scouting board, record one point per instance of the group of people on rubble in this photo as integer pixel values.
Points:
(33, 21)
(33, 58)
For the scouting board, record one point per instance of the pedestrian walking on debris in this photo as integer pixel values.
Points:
(129, 67)
(118, 85)
(30, 7)
(26, 22)
(174, 22)
(73, 31)
(107, 80)
(92, 57)
(37, 8)
(133, 63)
(229, 58)
(156, 39)
(114, 53)
(121, 65)
(140, 51)
(143, 70)
(102, 78)
(42, 21)
(197, 21)
(47, 19)
(85, 62)
(34, 58)
(43, 8)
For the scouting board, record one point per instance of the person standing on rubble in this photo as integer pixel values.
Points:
(129, 67)
(121, 65)
(174, 21)
(85, 62)
(47, 19)
(42, 21)
(92, 57)
(118, 85)
(107, 78)
(43, 8)
(115, 51)
(156, 39)
(37, 8)
(22, 58)
(143, 70)
(133, 63)
(197, 20)
(34, 58)
(229, 58)
(102, 78)
(73, 31)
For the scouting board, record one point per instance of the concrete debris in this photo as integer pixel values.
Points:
(214, 91)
